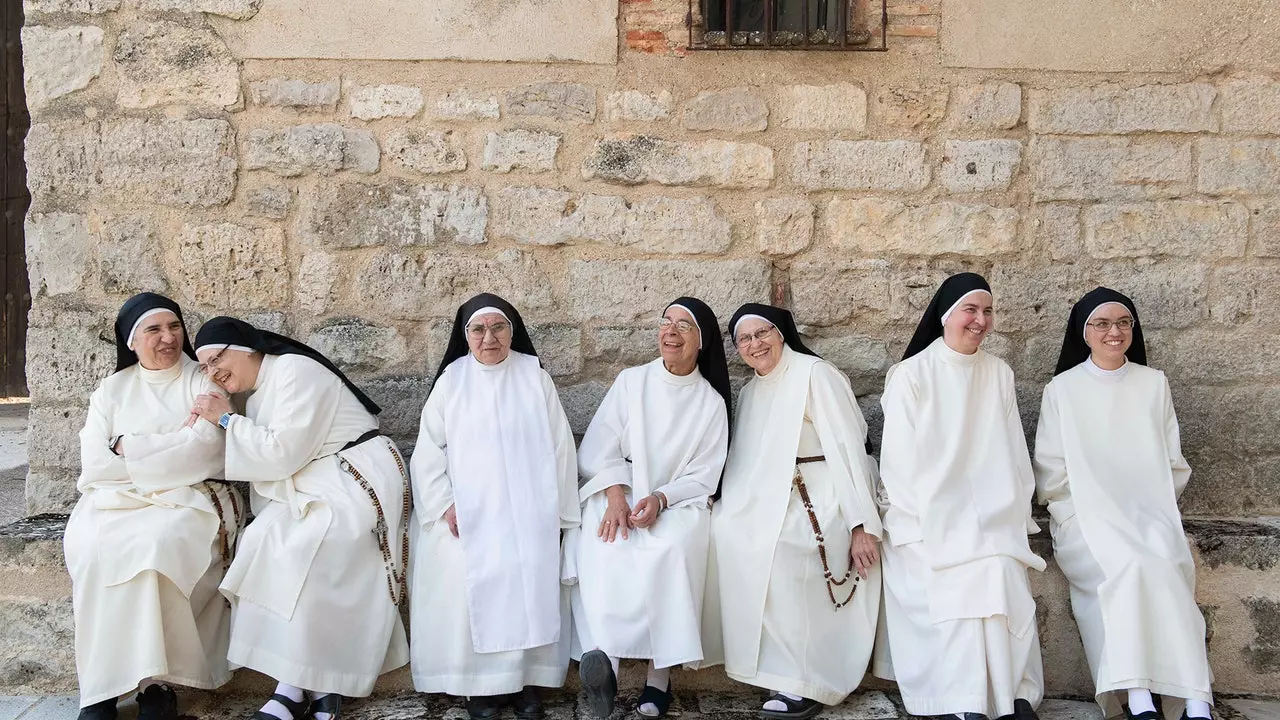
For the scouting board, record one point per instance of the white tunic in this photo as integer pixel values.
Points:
(641, 597)
(1109, 465)
(489, 610)
(143, 545)
(768, 616)
(309, 585)
(958, 485)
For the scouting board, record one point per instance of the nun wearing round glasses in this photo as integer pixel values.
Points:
(960, 616)
(1109, 465)
(148, 541)
(650, 462)
(495, 483)
(317, 579)
(793, 584)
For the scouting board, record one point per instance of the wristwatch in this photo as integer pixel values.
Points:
(225, 420)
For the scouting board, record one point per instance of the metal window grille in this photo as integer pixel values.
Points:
(786, 25)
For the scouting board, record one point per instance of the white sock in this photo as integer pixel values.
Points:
(321, 715)
(1140, 701)
(778, 705)
(273, 707)
(659, 678)
(1198, 709)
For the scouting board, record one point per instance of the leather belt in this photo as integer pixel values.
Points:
(811, 459)
(362, 439)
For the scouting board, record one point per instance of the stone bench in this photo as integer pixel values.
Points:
(1238, 588)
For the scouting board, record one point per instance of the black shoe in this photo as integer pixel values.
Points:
(528, 703)
(801, 709)
(1022, 710)
(598, 681)
(105, 710)
(1148, 715)
(660, 699)
(331, 703)
(484, 707)
(158, 702)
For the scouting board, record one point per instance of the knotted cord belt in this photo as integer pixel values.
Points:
(396, 580)
(832, 583)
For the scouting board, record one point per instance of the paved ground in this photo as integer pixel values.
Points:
(13, 466)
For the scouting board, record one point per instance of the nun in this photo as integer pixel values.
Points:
(793, 578)
(957, 488)
(149, 539)
(650, 462)
(318, 577)
(1109, 465)
(495, 484)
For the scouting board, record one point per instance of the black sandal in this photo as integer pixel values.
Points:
(331, 703)
(297, 710)
(802, 709)
(660, 699)
(601, 685)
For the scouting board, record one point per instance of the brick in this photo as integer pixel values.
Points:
(989, 106)
(980, 165)
(874, 226)
(829, 293)
(297, 94)
(628, 290)
(428, 152)
(832, 108)
(859, 165)
(354, 214)
(1239, 167)
(738, 109)
(520, 150)
(1109, 168)
(1180, 228)
(1114, 110)
(643, 159)
(784, 226)
(59, 61)
(168, 63)
(1250, 106)
(572, 102)
(638, 106)
(383, 101)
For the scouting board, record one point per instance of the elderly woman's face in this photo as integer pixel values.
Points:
(489, 338)
(158, 341)
(759, 344)
(678, 340)
(232, 370)
(1110, 344)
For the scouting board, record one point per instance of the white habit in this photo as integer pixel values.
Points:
(958, 485)
(767, 602)
(309, 585)
(489, 611)
(1109, 465)
(143, 545)
(641, 597)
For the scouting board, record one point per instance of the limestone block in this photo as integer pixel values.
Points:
(128, 254)
(82, 7)
(401, 398)
(784, 226)
(1115, 110)
(980, 165)
(1243, 294)
(319, 275)
(677, 225)
(59, 61)
(464, 105)
(58, 251)
(39, 634)
(581, 402)
(300, 149)
(69, 359)
(624, 291)
(354, 214)
(53, 490)
(297, 94)
(539, 216)
(627, 345)
(859, 165)
(1217, 356)
(52, 432)
(225, 265)
(411, 286)
(989, 106)
(919, 106)
(1250, 106)
(830, 291)
(1185, 228)
(865, 360)
(382, 101)
(573, 102)
(1174, 292)
(832, 108)
(1239, 167)
(1109, 168)
(360, 346)
(234, 9)
(738, 109)
(271, 201)
(429, 152)
(875, 226)
(638, 106)
(643, 159)
(362, 153)
(1056, 230)
(559, 348)
(520, 150)
(1264, 231)
(167, 63)
(1037, 297)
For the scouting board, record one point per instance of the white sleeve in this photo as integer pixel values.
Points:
(566, 456)
(1050, 464)
(429, 468)
(602, 458)
(97, 462)
(897, 457)
(701, 476)
(305, 403)
(839, 422)
(1173, 441)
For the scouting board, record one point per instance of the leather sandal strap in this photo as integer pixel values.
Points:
(792, 705)
(297, 709)
(331, 703)
(661, 699)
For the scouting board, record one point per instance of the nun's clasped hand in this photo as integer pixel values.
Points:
(212, 406)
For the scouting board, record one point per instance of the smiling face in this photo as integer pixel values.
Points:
(759, 344)
(1109, 346)
(969, 323)
(678, 347)
(232, 370)
(489, 338)
(158, 341)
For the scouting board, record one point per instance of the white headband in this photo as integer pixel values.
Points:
(748, 317)
(153, 311)
(695, 320)
(485, 311)
(241, 348)
(1095, 312)
(956, 304)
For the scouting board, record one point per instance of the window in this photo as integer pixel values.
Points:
(786, 25)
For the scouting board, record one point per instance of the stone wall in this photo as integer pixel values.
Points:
(355, 203)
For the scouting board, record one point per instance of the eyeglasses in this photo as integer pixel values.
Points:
(478, 330)
(762, 334)
(682, 326)
(1104, 326)
(205, 368)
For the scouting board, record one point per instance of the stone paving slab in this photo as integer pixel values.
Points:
(54, 707)
(1069, 710)
(1257, 709)
(12, 707)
